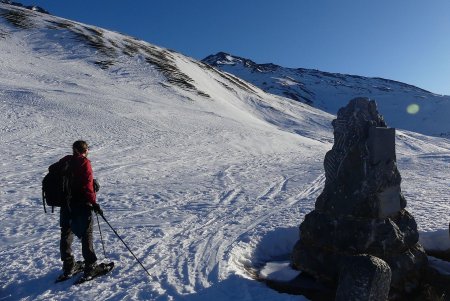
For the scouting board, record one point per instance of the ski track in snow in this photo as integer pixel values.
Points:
(185, 246)
(204, 191)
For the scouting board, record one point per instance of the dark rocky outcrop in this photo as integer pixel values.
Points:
(361, 209)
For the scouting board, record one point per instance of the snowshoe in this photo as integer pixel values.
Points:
(99, 270)
(77, 268)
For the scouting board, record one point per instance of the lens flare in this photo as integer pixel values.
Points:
(413, 109)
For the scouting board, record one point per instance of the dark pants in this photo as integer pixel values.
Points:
(80, 222)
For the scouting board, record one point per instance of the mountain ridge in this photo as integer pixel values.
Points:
(219, 58)
(30, 7)
(331, 91)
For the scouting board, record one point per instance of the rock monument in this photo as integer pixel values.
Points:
(359, 236)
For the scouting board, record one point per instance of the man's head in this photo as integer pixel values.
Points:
(80, 147)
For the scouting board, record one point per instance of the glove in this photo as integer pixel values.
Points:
(96, 186)
(96, 208)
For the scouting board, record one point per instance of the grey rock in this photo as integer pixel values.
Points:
(381, 145)
(363, 278)
(389, 201)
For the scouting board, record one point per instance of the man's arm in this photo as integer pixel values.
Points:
(87, 182)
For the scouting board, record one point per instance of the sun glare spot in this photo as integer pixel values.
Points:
(413, 108)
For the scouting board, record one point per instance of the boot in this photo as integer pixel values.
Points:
(68, 266)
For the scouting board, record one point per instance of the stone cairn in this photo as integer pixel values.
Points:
(359, 238)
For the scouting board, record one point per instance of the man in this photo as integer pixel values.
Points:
(76, 215)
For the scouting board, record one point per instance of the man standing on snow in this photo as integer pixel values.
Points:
(76, 215)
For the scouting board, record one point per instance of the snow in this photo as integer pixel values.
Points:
(438, 240)
(280, 271)
(205, 190)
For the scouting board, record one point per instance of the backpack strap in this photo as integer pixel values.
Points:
(69, 181)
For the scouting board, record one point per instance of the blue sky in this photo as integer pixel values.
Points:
(404, 40)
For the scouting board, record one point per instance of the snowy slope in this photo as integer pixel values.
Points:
(205, 176)
(331, 91)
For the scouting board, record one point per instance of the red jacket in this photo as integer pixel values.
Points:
(83, 179)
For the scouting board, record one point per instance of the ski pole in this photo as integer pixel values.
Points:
(43, 200)
(101, 236)
(125, 245)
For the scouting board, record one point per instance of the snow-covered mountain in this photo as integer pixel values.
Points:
(32, 7)
(331, 91)
(204, 175)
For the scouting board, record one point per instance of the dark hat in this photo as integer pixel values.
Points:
(80, 146)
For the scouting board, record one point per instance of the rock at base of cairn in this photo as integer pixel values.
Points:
(363, 277)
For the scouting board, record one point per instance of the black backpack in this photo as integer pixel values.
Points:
(57, 185)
